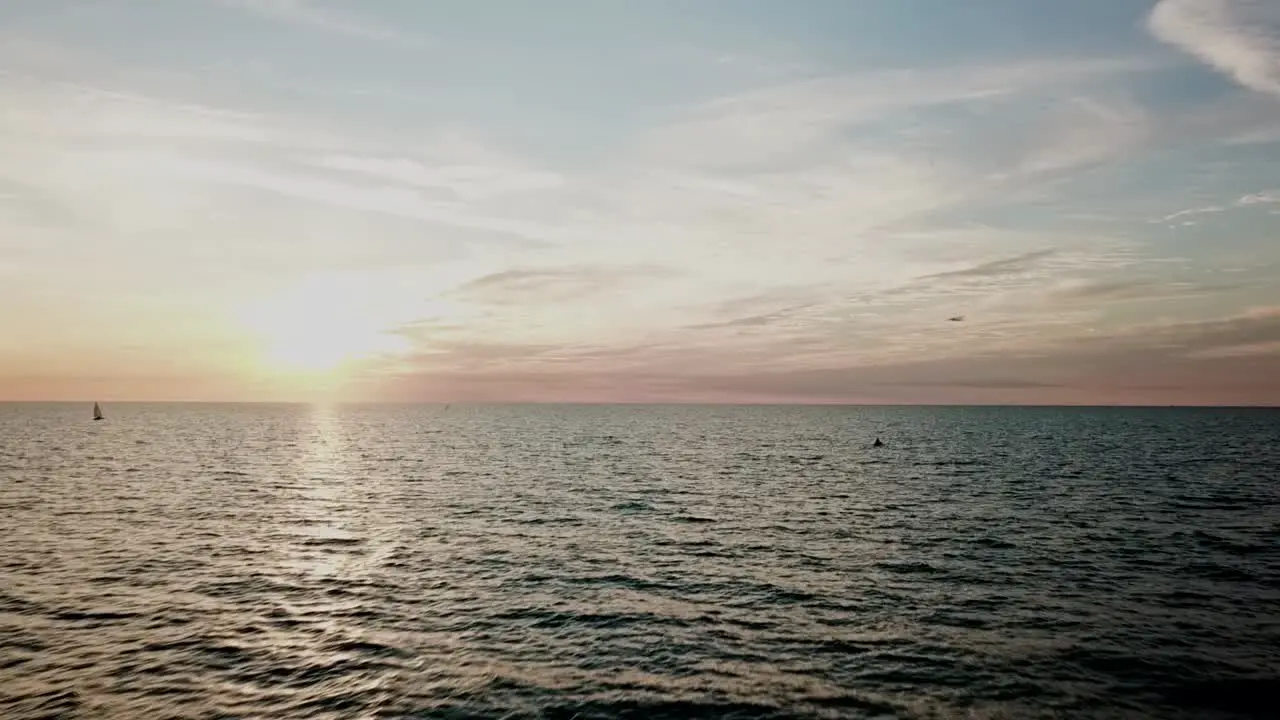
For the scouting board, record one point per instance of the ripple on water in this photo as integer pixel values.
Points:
(595, 562)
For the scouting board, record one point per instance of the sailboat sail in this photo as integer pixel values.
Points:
(97, 412)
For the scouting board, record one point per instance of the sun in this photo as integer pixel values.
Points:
(296, 346)
(317, 329)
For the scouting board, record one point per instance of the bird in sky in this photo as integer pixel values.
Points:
(956, 318)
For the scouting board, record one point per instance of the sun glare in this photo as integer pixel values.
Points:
(317, 329)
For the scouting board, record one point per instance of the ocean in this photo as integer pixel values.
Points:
(295, 561)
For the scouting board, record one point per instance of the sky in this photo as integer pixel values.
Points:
(658, 201)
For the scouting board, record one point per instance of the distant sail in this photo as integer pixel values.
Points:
(97, 412)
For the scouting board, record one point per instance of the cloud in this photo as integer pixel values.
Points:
(308, 13)
(1146, 289)
(1265, 197)
(805, 240)
(1240, 38)
(762, 320)
(1087, 131)
(598, 236)
(393, 200)
(1228, 360)
(219, 206)
(1005, 286)
(1190, 212)
(551, 285)
(782, 121)
(154, 159)
(807, 325)
(1233, 120)
(1172, 354)
(836, 165)
(992, 268)
(815, 326)
(475, 178)
(63, 110)
(1269, 348)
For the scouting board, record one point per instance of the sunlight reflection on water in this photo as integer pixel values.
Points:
(337, 562)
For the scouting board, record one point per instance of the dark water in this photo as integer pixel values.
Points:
(397, 562)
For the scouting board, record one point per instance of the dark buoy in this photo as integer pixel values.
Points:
(877, 443)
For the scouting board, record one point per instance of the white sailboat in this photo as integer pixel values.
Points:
(97, 411)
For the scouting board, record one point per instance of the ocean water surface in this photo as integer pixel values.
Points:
(293, 561)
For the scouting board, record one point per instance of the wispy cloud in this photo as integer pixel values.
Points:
(786, 119)
(472, 177)
(1190, 212)
(1090, 365)
(991, 268)
(114, 115)
(185, 153)
(1265, 197)
(551, 285)
(1225, 360)
(1088, 131)
(801, 231)
(1240, 38)
(310, 13)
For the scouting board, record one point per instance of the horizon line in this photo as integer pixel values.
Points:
(584, 403)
